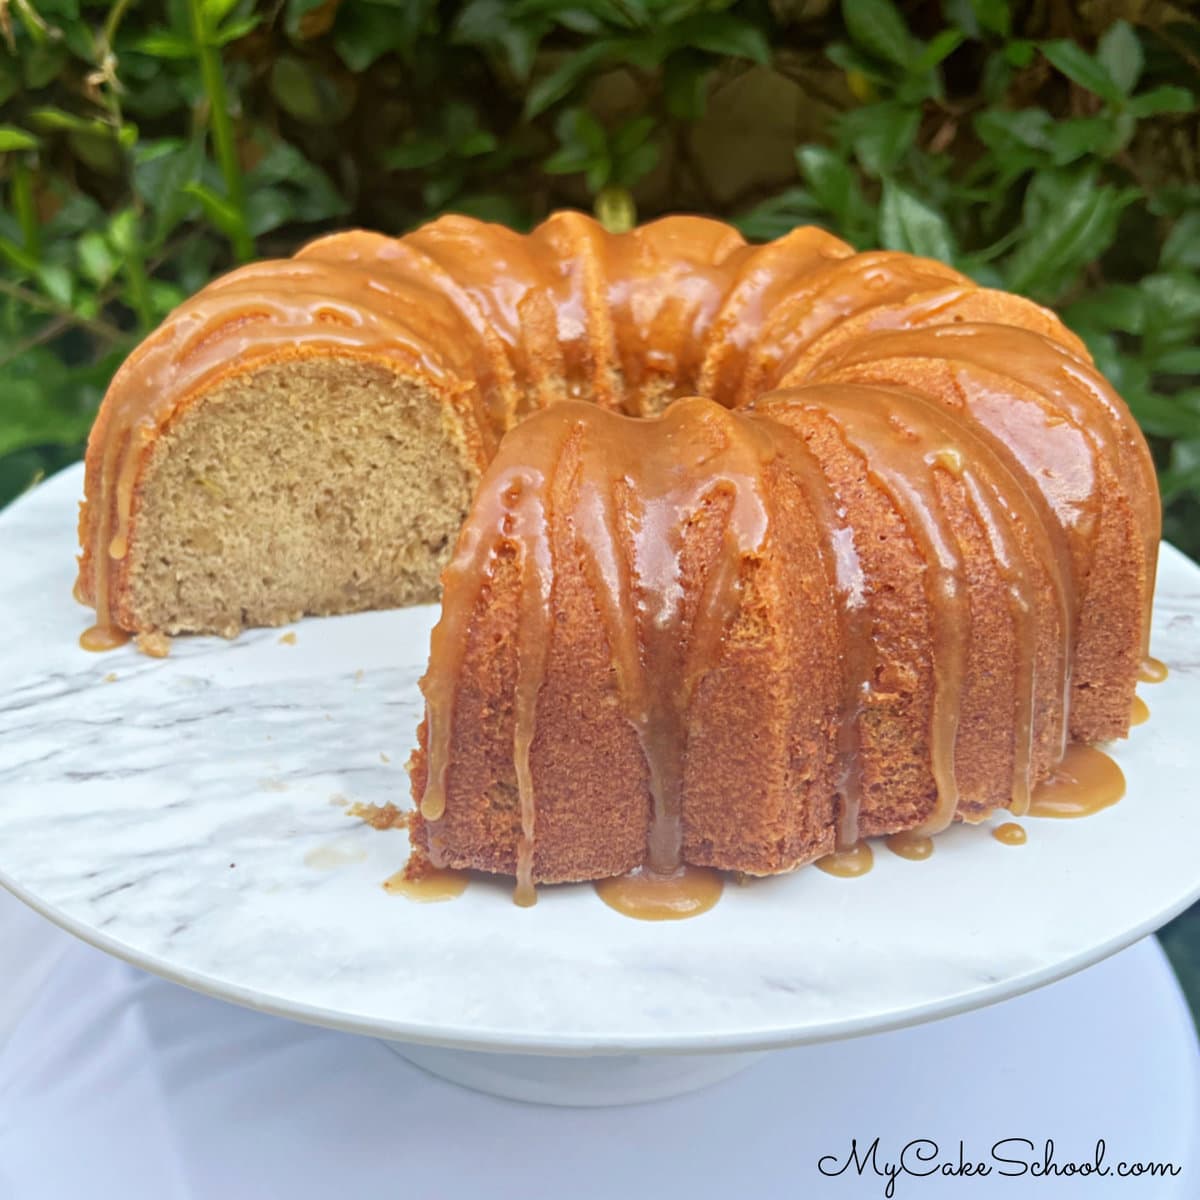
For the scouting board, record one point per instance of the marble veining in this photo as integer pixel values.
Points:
(190, 813)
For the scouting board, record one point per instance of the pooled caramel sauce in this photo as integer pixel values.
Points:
(1010, 833)
(1152, 670)
(911, 845)
(1139, 713)
(99, 638)
(686, 892)
(848, 864)
(431, 886)
(1086, 781)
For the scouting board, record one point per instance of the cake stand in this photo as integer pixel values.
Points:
(190, 815)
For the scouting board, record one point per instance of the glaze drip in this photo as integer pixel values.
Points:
(848, 864)
(664, 637)
(1085, 782)
(1152, 670)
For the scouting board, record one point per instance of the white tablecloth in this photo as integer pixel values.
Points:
(116, 1084)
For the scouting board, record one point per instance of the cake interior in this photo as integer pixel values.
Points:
(316, 487)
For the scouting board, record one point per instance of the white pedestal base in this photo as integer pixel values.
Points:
(576, 1082)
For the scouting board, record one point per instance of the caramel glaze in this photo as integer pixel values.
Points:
(649, 896)
(428, 887)
(905, 441)
(661, 643)
(911, 845)
(639, 485)
(1010, 834)
(502, 325)
(1140, 713)
(848, 864)
(1085, 782)
(1152, 670)
(1043, 408)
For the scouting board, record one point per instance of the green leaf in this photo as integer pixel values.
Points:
(561, 81)
(576, 127)
(294, 85)
(365, 32)
(56, 283)
(633, 134)
(480, 141)
(976, 17)
(723, 34)
(215, 11)
(18, 256)
(493, 25)
(414, 155)
(1162, 416)
(1120, 54)
(312, 194)
(124, 233)
(877, 27)
(1069, 220)
(634, 166)
(235, 29)
(939, 48)
(268, 208)
(1002, 130)
(165, 44)
(907, 223)
(833, 185)
(1184, 360)
(160, 170)
(1181, 249)
(41, 65)
(1075, 137)
(96, 258)
(1078, 65)
(1174, 304)
(881, 134)
(12, 138)
(778, 215)
(1019, 53)
(1165, 99)
(1118, 306)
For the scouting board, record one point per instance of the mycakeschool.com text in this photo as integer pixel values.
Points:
(1011, 1158)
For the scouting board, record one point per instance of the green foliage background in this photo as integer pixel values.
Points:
(1045, 147)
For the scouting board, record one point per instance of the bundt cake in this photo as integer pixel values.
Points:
(898, 557)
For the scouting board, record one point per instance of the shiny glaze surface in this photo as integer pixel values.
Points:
(916, 847)
(1152, 670)
(1085, 782)
(648, 896)
(1010, 834)
(430, 887)
(850, 863)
